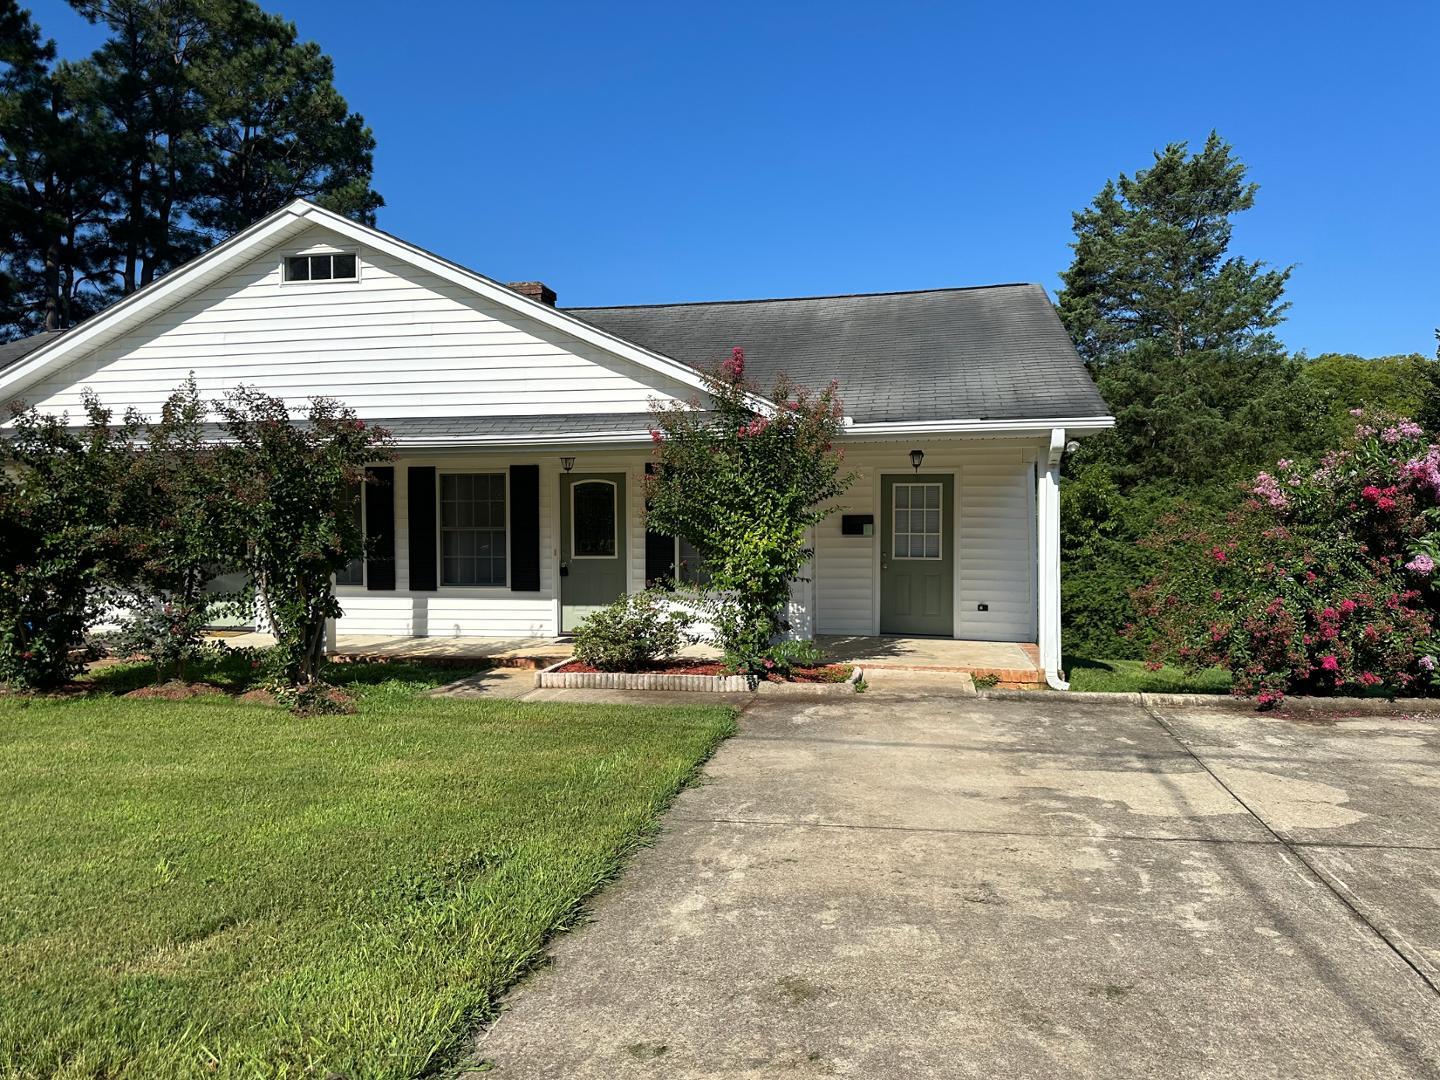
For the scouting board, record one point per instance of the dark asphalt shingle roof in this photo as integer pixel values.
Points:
(13, 351)
(408, 428)
(992, 353)
(997, 352)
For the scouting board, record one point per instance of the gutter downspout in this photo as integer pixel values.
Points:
(1047, 513)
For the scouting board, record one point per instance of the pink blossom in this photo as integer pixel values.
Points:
(1269, 489)
(1218, 554)
(655, 435)
(1427, 663)
(735, 366)
(1329, 663)
(1421, 564)
(1347, 606)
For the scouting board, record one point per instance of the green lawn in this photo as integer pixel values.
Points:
(208, 888)
(1131, 675)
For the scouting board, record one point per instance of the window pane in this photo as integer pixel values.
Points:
(319, 267)
(902, 521)
(932, 496)
(472, 528)
(932, 547)
(902, 547)
(902, 495)
(593, 522)
(344, 266)
(932, 521)
(692, 567)
(297, 268)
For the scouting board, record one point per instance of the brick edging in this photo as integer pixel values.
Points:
(551, 678)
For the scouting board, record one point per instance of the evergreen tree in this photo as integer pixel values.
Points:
(192, 120)
(53, 175)
(1176, 329)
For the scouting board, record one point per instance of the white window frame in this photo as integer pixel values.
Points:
(894, 510)
(286, 280)
(504, 474)
(615, 520)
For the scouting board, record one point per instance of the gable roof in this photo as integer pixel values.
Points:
(995, 352)
(289, 221)
(986, 359)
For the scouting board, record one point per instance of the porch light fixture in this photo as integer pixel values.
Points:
(916, 457)
(567, 463)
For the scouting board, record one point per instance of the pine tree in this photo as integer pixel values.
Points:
(1176, 329)
(53, 173)
(192, 120)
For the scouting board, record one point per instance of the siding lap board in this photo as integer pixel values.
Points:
(399, 342)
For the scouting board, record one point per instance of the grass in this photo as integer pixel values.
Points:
(207, 887)
(1132, 676)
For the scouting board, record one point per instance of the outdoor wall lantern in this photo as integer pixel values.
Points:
(916, 457)
(567, 463)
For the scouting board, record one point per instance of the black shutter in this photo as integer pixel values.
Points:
(524, 528)
(421, 518)
(659, 550)
(380, 528)
(659, 558)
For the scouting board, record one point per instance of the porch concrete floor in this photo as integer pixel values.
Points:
(1011, 661)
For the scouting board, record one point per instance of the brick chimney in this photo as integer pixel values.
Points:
(535, 290)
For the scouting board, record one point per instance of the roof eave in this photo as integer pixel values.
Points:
(1024, 427)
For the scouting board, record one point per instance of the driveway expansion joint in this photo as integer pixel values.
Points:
(1297, 849)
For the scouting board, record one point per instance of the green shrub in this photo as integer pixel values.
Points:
(62, 541)
(636, 630)
(785, 656)
(1322, 581)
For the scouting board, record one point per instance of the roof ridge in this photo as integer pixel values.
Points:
(822, 296)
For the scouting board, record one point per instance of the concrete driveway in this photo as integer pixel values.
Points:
(915, 885)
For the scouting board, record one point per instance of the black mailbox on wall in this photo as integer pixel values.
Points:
(857, 524)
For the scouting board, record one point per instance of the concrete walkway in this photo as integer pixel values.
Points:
(913, 885)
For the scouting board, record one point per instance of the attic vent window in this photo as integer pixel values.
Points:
(330, 267)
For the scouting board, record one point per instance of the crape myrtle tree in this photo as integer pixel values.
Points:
(177, 530)
(290, 489)
(63, 502)
(1323, 578)
(745, 483)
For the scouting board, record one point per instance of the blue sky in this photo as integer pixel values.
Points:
(639, 153)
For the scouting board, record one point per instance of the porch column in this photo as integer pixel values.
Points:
(1047, 520)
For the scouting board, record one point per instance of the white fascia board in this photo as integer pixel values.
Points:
(151, 300)
(1039, 428)
(494, 291)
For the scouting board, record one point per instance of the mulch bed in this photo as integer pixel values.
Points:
(175, 691)
(825, 673)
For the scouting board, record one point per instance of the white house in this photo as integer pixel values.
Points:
(514, 504)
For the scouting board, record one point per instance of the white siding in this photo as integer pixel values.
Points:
(995, 564)
(995, 487)
(492, 612)
(398, 342)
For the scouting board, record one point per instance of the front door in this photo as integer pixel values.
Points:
(592, 544)
(917, 555)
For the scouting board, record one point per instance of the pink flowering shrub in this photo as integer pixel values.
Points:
(1322, 581)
